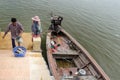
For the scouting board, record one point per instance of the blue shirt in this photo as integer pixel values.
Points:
(36, 28)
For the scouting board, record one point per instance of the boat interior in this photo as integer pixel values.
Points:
(69, 58)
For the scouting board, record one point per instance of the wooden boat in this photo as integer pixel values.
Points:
(70, 56)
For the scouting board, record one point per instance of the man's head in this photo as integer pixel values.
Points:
(13, 20)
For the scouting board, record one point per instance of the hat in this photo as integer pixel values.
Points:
(36, 18)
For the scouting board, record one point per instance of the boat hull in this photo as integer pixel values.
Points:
(76, 55)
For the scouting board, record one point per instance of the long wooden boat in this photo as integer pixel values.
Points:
(70, 56)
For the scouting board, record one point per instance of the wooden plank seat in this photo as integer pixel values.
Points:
(63, 56)
(66, 52)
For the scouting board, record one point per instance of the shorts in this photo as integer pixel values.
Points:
(19, 39)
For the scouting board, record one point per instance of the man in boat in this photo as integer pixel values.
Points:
(16, 30)
(56, 24)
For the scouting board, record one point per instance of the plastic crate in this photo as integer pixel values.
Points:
(19, 51)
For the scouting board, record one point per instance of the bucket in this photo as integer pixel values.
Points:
(19, 51)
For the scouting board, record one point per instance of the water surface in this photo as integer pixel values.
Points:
(93, 23)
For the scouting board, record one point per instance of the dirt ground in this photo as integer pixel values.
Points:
(5, 44)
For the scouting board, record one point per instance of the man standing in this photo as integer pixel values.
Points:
(16, 30)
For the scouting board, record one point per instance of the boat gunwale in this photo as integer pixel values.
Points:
(87, 55)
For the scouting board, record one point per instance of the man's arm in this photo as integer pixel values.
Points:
(20, 33)
(21, 30)
(7, 30)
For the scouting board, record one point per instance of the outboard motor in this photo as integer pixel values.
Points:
(56, 20)
(56, 23)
